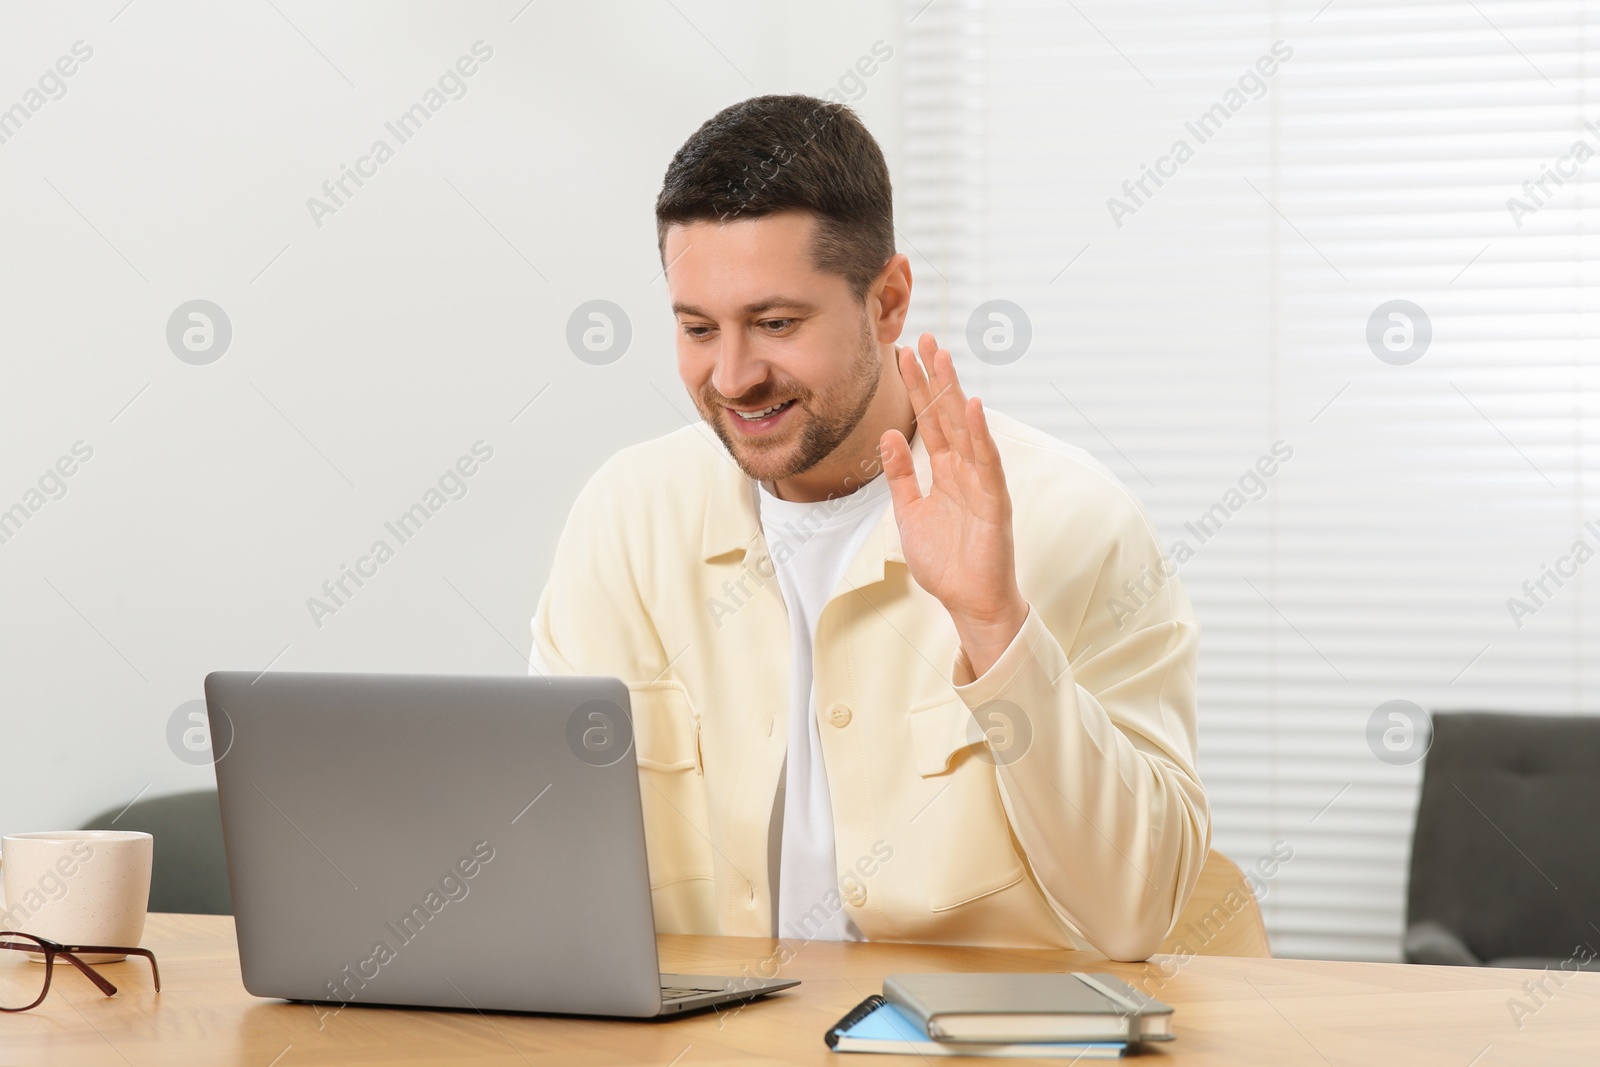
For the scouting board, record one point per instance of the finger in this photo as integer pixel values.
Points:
(947, 399)
(910, 373)
(921, 402)
(952, 404)
(932, 409)
(986, 454)
(895, 452)
(991, 474)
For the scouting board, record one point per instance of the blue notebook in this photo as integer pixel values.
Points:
(875, 1025)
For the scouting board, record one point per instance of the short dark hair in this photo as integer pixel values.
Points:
(784, 153)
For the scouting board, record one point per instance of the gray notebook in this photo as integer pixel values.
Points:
(1071, 1006)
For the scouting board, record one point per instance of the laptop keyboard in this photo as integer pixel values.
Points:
(670, 993)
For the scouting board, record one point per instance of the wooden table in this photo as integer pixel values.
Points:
(1229, 1011)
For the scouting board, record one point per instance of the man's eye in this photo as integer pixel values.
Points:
(777, 325)
(697, 332)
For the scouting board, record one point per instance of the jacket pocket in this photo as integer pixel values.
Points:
(964, 831)
(666, 731)
(672, 795)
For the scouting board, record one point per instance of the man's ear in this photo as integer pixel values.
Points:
(889, 299)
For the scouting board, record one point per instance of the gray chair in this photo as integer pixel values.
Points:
(189, 872)
(1505, 858)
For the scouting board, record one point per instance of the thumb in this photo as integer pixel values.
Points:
(903, 488)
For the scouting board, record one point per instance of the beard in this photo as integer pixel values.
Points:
(825, 419)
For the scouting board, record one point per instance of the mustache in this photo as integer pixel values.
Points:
(755, 400)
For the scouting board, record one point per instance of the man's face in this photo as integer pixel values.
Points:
(763, 333)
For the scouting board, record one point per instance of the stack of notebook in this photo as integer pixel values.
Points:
(1077, 1015)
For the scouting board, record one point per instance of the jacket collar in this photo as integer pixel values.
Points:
(732, 524)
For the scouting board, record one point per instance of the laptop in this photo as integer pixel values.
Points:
(439, 841)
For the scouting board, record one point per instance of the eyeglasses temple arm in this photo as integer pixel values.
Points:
(119, 950)
(94, 976)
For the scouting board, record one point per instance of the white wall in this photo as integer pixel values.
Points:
(368, 353)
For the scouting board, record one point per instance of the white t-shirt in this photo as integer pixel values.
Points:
(812, 544)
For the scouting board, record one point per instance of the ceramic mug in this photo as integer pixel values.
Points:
(78, 887)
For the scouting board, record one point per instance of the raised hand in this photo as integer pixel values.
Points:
(957, 539)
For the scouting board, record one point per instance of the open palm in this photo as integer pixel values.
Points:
(957, 537)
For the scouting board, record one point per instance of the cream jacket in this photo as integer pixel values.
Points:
(1051, 803)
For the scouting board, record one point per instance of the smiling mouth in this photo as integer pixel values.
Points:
(757, 416)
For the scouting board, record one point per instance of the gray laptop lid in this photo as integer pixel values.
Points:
(464, 842)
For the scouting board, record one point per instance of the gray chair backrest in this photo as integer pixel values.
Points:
(1506, 851)
(189, 871)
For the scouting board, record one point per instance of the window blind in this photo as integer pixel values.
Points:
(1201, 315)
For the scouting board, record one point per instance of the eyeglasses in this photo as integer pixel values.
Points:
(24, 987)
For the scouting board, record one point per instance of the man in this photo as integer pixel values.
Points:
(885, 678)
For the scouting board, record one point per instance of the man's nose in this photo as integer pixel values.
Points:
(738, 369)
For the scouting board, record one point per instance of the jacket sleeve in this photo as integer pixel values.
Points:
(1100, 784)
(591, 619)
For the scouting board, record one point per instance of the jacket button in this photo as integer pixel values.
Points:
(855, 894)
(839, 715)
